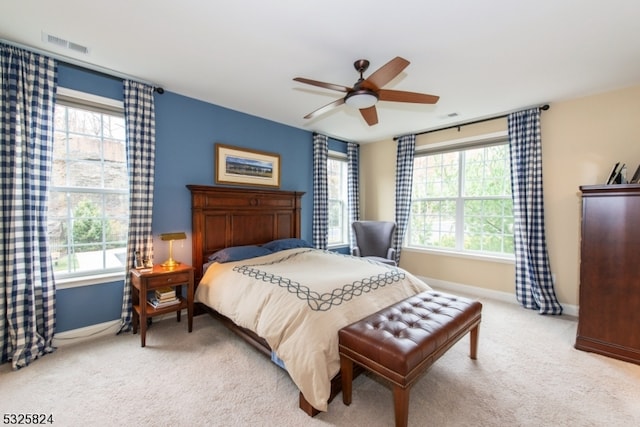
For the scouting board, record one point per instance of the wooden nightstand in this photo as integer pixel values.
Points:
(142, 283)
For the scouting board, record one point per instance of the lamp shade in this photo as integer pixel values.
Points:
(361, 98)
(173, 236)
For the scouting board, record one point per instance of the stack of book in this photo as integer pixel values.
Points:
(164, 297)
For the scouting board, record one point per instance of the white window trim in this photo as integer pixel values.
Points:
(95, 279)
(487, 138)
(96, 99)
(506, 259)
(337, 155)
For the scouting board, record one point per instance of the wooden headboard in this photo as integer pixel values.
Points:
(222, 217)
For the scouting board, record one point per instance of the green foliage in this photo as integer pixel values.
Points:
(88, 227)
(475, 182)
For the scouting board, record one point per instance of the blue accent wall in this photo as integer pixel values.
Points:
(186, 131)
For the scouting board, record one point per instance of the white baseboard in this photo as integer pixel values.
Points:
(88, 332)
(568, 309)
(74, 336)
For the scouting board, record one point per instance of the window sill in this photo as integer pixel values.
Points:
(506, 259)
(98, 279)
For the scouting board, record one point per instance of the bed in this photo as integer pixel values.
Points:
(287, 299)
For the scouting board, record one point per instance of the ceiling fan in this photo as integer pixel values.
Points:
(365, 93)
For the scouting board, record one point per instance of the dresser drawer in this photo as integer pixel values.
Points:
(168, 280)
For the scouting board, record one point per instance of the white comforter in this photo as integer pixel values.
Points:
(298, 299)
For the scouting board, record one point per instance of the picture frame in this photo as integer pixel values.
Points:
(243, 166)
(636, 176)
(612, 174)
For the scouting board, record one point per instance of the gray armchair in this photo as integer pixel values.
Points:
(374, 240)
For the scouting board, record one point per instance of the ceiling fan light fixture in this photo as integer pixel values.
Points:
(365, 93)
(361, 98)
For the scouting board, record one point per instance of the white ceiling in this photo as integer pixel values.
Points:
(483, 58)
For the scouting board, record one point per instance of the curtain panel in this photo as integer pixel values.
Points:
(353, 187)
(28, 84)
(139, 112)
(404, 181)
(534, 285)
(320, 191)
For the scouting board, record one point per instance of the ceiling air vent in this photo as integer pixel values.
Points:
(65, 44)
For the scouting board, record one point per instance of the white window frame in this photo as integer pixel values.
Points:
(342, 198)
(106, 105)
(460, 145)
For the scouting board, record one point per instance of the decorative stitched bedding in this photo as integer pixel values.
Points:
(298, 299)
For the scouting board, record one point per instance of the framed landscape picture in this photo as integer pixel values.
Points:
(241, 166)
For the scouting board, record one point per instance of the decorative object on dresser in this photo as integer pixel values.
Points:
(609, 280)
(166, 285)
(242, 166)
(635, 179)
(613, 173)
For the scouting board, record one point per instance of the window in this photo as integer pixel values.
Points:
(461, 201)
(88, 200)
(338, 207)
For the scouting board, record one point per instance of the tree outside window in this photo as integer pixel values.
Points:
(461, 201)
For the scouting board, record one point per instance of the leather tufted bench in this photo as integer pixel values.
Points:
(402, 341)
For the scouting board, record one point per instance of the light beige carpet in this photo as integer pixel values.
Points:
(527, 374)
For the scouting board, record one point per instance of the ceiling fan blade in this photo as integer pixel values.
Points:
(324, 109)
(401, 96)
(387, 72)
(370, 115)
(331, 86)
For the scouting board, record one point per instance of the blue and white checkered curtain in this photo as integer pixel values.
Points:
(534, 285)
(320, 191)
(353, 186)
(27, 301)
(404, 181)
(139, 114)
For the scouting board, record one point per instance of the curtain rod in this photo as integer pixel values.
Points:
(544, 107)
(77, 62)
(335, 139)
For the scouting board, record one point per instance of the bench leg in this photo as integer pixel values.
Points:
(401, 405)
(473, 334)
(346, 369)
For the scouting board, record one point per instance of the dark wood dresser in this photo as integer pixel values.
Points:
(609, 317)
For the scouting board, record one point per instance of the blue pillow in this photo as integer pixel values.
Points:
(239, 253)
(282, 244)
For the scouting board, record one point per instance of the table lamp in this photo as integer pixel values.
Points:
(171, 263)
